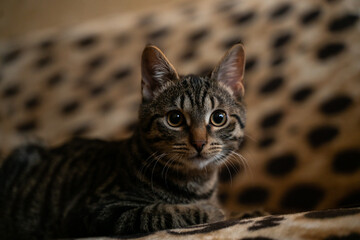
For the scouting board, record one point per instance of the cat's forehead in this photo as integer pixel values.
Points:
(197, 95)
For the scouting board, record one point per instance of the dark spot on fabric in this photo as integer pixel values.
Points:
(11, 91)
(70, 107)
(347, 161)
(146, 20)
(106, 107)
(272, 119)
(321, 135)
(252, 214)
(272, 85)
(277, 60)
(350, 200)
(251, 63)
(189, 11)
(334, 213)
(98, 90)
(302, 94)
(44, 61)
(310, 16)
(225, 6)
(198, 35)
(157, 34)
(87, 41)
(46, 44)
(302, 197)
(55, 79)
(32, 102)
(96, 62)
(282, 39)
(351, 236)
(281, 10)
(243, 18)
(253, 195)
(27, 126)
(205, 71)
(336, 105)
(281, 165)
(122, 39)
(188, 55)
(293, 130)
(330, 50)
(266, 142)
(11, 56)
(228, 172)
(332, 1)
(83, 81)
(267, 222)
(122, 73)
(81, 130)
(343, 22)
(223, 197)
(228, 43)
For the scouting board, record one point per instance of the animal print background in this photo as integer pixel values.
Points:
(302, 149)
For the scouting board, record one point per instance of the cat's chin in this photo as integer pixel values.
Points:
(201, 162)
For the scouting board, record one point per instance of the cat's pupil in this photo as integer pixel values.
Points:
(175, 118)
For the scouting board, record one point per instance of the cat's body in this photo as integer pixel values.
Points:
(164, 176)
(92, 180)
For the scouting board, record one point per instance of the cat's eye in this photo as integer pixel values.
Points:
(175, 118)
(218, 118)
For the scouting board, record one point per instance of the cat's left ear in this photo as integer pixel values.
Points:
(230, 70)
(156, 70)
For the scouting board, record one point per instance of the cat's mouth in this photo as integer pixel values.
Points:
(201, 160)
(199, 157)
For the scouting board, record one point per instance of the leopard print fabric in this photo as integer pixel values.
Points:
(302, 148)
(340, 224)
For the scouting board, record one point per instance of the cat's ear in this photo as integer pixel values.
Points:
(156, 70)
(230, 70)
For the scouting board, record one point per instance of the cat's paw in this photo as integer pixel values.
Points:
(248, 214)
(214, 213)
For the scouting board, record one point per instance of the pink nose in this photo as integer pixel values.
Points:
(198, 145)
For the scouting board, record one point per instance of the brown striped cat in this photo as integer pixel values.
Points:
(164, 176)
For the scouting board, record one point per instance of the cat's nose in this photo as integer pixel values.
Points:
(198, 145)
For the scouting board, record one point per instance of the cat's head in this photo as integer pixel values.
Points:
(191, 120)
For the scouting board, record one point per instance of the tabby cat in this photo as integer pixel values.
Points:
(164, 176)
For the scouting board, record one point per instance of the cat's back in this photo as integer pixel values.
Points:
(37, 184)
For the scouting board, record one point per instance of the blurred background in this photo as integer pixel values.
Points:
(19, 17)
(72, 68)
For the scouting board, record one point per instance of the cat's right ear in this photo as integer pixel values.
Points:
(156, 70)
(230, 70)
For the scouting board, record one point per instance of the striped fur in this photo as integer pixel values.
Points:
(155, 180)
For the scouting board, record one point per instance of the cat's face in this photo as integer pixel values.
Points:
(192, 121)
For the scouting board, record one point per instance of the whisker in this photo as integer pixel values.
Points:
(152, 172)
(179, 144)
(244, 162)
(172, 159)
(251, 138)
(228, 172)
(181, 148)
(147, 163)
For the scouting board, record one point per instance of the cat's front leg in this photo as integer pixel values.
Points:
(157, 217)
(150, 218)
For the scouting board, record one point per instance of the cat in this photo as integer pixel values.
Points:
(163, 177)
